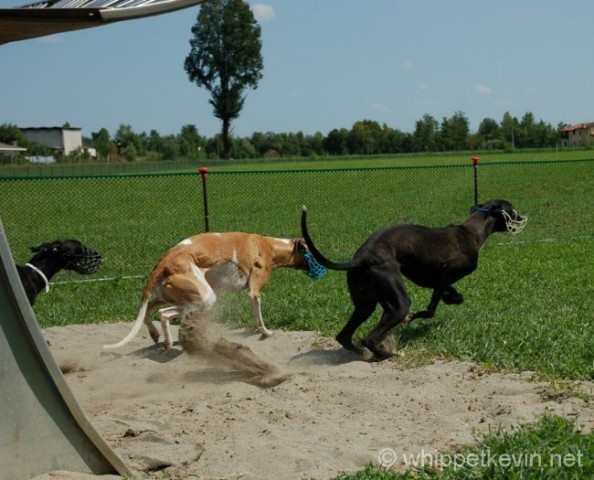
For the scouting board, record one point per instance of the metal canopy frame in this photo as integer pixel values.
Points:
(42, 427)
(57, 16)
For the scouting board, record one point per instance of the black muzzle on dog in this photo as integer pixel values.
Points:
(84, 263)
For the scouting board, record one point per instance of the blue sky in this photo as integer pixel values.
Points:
(327, 64)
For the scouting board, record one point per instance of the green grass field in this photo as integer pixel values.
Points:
(528, 306)
(402, 160)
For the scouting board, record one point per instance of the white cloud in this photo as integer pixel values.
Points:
(481, 89)
(422, 86)
(378, 107)
(262, 12)
(407, 65)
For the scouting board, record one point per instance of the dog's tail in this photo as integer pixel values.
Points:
(314, 250)
(142, 312)
(135, 328)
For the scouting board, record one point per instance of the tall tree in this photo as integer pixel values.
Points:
(454, 132)
(425, 134)
(225, 58)
(509, 129)
(103, 143)
(10, 133)
(190, 142)
(364, 137)
(489, 133)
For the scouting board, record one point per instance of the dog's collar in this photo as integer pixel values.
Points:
(41, 274)
(482, 209)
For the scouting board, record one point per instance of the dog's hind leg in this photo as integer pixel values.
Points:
(363, 310)
(395, 302)
(388, 321)
(184, 291)
(364, 301)
(153, 331)
(165, 317)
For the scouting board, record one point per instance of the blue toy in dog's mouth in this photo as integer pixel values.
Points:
(315, 270)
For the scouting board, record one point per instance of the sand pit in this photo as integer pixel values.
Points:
(180, 415)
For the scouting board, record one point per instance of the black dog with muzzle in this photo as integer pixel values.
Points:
(50, 258)
(434, 258)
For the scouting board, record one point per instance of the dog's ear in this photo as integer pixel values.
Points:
(65, 246)
(300, 245)
(40, 248)
(500, 206)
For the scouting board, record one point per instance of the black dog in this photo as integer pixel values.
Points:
(50, 258)
(433, 258)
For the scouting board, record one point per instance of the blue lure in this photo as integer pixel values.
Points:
(315, 270)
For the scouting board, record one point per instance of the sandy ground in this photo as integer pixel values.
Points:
(293, 406)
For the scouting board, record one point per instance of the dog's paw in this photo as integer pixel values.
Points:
(378, 352)
(348, 344)
(452, 298)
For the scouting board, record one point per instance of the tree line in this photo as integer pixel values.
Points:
(365, 137)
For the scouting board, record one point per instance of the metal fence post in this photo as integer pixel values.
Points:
(475, 161)
(204, 173)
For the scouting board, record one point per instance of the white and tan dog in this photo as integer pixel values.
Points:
(195, 271)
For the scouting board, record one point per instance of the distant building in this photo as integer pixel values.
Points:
(10, 150)
(578, 135)
(60, 139)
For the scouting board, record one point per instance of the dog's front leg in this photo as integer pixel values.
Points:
(258, 278)
(436, 296)
(451, 296)
(257, 310)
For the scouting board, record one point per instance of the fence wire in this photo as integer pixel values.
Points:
(133, 220)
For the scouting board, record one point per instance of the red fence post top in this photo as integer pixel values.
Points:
(203, 171)
(475, 160)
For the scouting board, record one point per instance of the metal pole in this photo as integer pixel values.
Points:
(475, 161)
(204, 173)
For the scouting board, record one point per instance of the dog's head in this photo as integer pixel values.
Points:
(72, 254)
(506, 217)
(306, 261)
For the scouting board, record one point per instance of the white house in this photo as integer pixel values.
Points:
(60, 139)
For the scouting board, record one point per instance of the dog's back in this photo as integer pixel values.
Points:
(420, 251)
